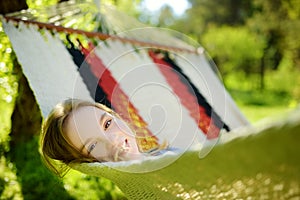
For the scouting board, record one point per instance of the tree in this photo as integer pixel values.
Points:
(234, 49)
(26, 125)
(12, 6)
(25, 102)
(275, 22)
(166, 17)
(205, 13)
(279, 23)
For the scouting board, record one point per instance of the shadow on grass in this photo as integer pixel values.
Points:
(2, 186)
(35, 180)
(261, 98)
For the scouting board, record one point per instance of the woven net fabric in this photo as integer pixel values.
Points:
(262, 164)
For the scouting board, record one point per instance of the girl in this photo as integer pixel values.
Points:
(82, 131)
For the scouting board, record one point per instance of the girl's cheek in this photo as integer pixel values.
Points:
(100, 152)
(111, 133)
(104, 151)
(123, 128)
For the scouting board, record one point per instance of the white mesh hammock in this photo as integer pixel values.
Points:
(194, 171)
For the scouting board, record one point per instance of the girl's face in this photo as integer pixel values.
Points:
(101, 135)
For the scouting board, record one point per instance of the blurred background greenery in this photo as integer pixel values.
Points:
(254, 43)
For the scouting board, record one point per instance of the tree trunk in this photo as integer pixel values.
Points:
(26, 118)
(262, 74)
(12, 6)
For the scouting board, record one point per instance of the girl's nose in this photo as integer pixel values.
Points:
(127, 143)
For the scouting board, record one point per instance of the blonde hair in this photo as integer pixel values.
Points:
(57, 153)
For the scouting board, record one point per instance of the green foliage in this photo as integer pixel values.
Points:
(249, 36)
(5, 123)
(129, 7)
(202, 14)
(220, 12)
(8, 84)
(233, 49)
(166, 17)
(9, 185)
(33, 4)
(279, 23)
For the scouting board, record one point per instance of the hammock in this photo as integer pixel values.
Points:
(166, 94)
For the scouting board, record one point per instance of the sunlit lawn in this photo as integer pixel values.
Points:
(256, 114)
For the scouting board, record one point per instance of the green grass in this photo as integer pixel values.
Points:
(257, 105)
(257, 113)
(281, 93)
(90, 187)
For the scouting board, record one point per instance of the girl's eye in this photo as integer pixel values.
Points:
(107, 124)
(92, 147)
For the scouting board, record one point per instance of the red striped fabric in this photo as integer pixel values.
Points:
(120, 102)
(187, 98)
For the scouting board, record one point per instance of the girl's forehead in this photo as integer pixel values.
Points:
(90, 111)
(84, 119)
